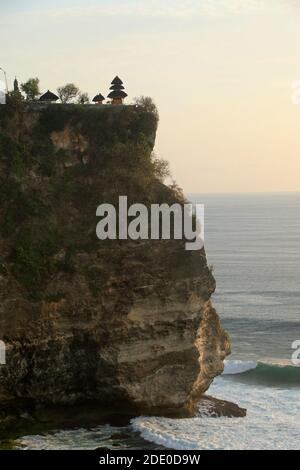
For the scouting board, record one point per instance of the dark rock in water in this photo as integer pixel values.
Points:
(124, 324)
(215, 408)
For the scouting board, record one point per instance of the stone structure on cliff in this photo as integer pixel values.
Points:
(98, 99)
(49, 97)
(117, 93)
(127, 324)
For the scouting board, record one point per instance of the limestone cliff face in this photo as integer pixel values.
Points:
(119, 323)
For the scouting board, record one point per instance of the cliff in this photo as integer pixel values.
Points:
(126, 324)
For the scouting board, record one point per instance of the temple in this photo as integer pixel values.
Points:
(98, 99)
(16, 91)
(16, 86)
(117, 94)
(48, 97)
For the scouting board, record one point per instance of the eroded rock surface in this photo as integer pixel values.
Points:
(119, 323)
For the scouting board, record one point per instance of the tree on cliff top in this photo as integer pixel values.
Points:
(161, 168)
(31, 88)
(83, 98)
(147, 103)
(67, 92)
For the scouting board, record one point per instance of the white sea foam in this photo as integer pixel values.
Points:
(74, 439)
(272, 422)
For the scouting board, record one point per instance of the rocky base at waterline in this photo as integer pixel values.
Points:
(18, 421)
(127, 324)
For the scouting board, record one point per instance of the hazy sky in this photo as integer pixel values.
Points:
(220, 71)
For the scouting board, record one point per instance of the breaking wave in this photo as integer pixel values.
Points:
(268, 391)
(263, 373)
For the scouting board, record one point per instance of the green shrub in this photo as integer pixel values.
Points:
(54, 297)
(32, 255)
(54, 118)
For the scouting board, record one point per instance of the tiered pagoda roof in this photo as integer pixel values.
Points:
(117, 89)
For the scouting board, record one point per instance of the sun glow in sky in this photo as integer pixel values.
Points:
(220, 71)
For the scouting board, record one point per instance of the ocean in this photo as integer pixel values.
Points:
(253, 243)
